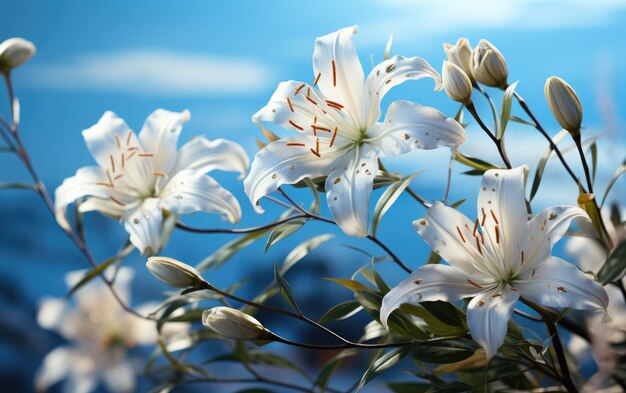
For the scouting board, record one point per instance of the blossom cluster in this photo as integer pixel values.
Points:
(480, 272)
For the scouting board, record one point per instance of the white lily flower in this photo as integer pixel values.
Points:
(338, 132)
(590, 256)
(100, 333)
(139, 177)
(496, 259)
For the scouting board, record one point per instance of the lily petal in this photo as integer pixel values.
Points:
(557, 283)
(86, 182)
(56, 366)
(299, 107)
(286, 161)
(410, 126)
(119, 376)
(502, 213)
(547, 228)
(339, 73)
(488, 315)
(108, 137)
(105, 206)
(144, 226)
(203, 156)
(348, 189)
(428, 283)
(159, 136)
(455, 238)
(190, 191)
(393, 72)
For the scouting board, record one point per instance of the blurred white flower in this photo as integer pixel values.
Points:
(590, 256)
(496, 259)
(14, 52)
(100, 334)
(338, 132)
(139, 177)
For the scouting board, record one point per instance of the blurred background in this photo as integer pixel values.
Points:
(222, 61)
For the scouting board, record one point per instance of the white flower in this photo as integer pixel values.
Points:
(489, 66)
(173, 272)
(100, 333)
(234, 324)
(460, 55)
(589, 254)
(338, 134)
(456, 83)
(496, 259)
(564, 104)
(14, 52)
(139, 177)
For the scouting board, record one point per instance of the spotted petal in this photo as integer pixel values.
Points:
(203, 156)
(144, 225)
(410, 126)
(340, 76)
(393, 72)
(557, 283)
(488, 315)
(455, 238)
(286, 161)
(190, 191)
(547, 228)
(348, 189)
(107, 138)
(427, 284)
(502, 209)
(159, 136)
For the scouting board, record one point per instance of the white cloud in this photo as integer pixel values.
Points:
(146, 71)
(423, 19)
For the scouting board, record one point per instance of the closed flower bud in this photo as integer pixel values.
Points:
(456, 83)
(173, 273)
(232, 323)
(564, 104)
(14, 52)
(489, 66)
(460, 55)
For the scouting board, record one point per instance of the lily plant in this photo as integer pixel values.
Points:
(140, 178)
(496, 259)
(338, 132)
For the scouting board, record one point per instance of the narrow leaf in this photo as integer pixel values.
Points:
(541, 166)
(474, 162)
(388, 198)
(316, 204)
(383, 363)
(18, 186)
(282, 231)
(505, 111)
(341, 311)
(285, 289)
(615, 266)
(302, 250)
(609, 186)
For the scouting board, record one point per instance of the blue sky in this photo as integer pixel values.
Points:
(222, 60)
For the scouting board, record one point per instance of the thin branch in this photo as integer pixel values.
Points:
(188, 228)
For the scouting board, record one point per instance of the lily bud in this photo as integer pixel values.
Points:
(14, 52)
(232, 323)
(173, 273)
(456, 83)
(564, 104)
(489, 66)
(460, 55)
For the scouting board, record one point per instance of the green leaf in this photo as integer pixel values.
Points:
(17, 186)
(330, 367)
(522, 121)
(475, 163)
(444, 352)
(388, 198)
(302, 250)
(353, 285)
(384, 363)
(611, 183)
(285, 290)
(594, 161)
(341, 311)
(505, 111)
(615, 266)
(91, 274)
(223, 254)
(282, 231)
(541, 166)
(443, 387)
(316, 204)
